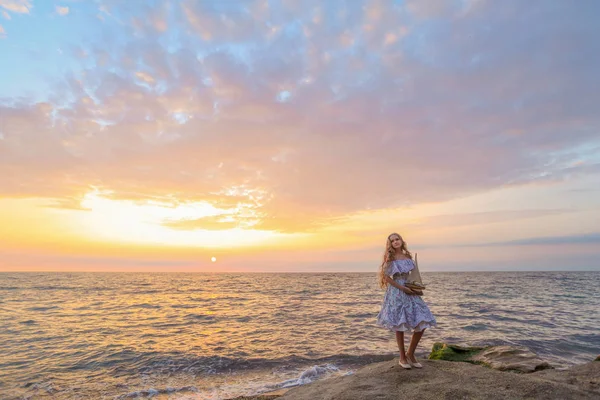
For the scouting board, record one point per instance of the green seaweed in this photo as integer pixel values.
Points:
(450, 352)
(597, 358)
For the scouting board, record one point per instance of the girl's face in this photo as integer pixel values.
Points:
(396, 241)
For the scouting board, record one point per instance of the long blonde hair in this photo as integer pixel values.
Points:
(389, 255)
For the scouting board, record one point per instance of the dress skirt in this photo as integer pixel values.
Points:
(403, 312)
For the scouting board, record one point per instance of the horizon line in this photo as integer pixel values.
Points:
(294, 272)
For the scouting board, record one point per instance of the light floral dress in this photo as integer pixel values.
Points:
(400, 311)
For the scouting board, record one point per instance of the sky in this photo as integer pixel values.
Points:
(295, 135)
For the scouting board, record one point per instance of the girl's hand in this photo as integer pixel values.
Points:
(407, 290)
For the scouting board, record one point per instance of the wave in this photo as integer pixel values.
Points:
(130, 362)
(475, 327)
(144, 305)
(149, 393)
(307, 376)
(158, 363)
(199, 317)
(49, 287)
(43, 308)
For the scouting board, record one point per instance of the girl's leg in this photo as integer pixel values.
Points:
(400, 341)
(414, 341)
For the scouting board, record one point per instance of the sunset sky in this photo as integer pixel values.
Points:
(295, 135)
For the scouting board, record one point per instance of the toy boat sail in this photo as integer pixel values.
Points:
(414, 276)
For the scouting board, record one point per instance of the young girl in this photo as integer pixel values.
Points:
(402, 310)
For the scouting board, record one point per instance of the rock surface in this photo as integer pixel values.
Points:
(451, 380)
(502, 358)
(444, 378)
(510, 358)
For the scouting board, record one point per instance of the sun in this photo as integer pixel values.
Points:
(213, 259)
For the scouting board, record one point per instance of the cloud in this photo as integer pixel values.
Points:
(208, 223)
(589, 238)
(5, 15)
(144, 77)
(314, 111)
(2, 32)
(435, 8)
(62, 10)
(16, 6)
(489, 217)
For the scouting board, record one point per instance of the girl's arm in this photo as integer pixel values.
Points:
(395, 284)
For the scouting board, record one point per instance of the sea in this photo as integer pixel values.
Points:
(219, 336)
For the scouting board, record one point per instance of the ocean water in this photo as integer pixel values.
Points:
(217, 336)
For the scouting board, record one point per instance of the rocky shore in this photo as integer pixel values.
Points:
(456, 372)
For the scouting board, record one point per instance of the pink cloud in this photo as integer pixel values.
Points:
(62, 11)
(16, 6)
